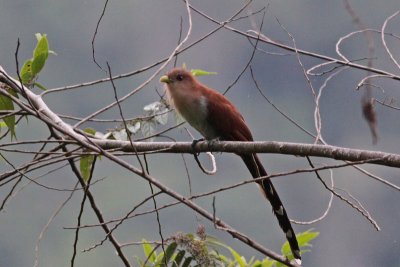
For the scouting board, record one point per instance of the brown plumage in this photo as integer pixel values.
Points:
(215, 117)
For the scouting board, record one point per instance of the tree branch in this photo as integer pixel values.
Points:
(272, 147)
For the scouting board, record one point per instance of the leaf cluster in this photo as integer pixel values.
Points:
(28, 76)
(185, 250)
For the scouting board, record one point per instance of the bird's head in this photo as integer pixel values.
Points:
(179, 79)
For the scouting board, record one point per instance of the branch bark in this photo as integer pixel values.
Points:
(273, 147)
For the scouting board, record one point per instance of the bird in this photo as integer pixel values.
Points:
(216, 118)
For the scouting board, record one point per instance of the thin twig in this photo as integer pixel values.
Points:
(86, 189)
(120, 221)
(52, 217)
(328, 208)
(384, 41)
(249, 61)
(360, 210)
(95, 34)
(157, 213)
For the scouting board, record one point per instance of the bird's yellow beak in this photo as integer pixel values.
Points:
(165, 79)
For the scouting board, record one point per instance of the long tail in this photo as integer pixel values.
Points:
(257, 170)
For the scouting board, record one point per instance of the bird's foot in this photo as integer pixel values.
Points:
(210, 144)
(194, 142)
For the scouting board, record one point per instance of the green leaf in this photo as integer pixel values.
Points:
(303, 239)
(169, 252)
(220, 257)
(90, 131)
(42, 46)
(251, 261)
(38, 85)
(26, 72)
(178, 258)
(158, 259)
(33, 66)
(38, 64)
(258, 263)
(7, 104)
(215, 241)
(86, 165)
(239, 259)
(187, 262)
(40, 54)
(148, 251)
(267, 263)
(199, 72)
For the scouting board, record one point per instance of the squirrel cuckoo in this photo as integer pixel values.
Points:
(215, 117)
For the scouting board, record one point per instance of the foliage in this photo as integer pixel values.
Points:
(7, 104)
(33, 66)
(199, 72)
(199, 249)
(86, 161)
(303, 239)
(28, 75)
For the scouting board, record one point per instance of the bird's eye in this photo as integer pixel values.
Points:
(179, 77)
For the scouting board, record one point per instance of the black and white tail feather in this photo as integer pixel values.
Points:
(257, 170)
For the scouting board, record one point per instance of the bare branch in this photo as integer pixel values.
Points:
(328, 208)
(95, 34)
(384, 41)
(273, 147)
(248, 62)
(361, 209)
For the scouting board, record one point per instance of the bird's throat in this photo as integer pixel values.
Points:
(194, 109)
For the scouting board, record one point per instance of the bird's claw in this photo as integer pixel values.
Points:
(211, 142)
(194, 142)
